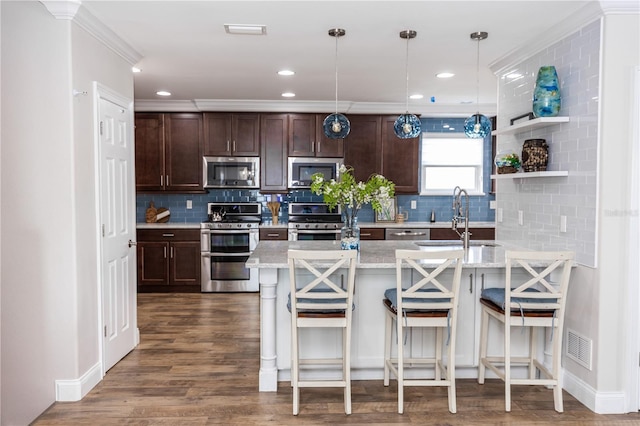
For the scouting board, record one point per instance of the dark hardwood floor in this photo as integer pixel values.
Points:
(197, 364)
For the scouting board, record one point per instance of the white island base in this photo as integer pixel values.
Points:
(375, 273)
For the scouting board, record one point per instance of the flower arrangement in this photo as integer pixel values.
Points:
(352, 195)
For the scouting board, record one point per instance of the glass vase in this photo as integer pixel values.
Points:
(546, 94)
(350, 234)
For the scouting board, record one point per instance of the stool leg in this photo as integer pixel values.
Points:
(484, 335)
(438, 357)
(507, 364)
(557, 389)
(400, 366)
(388, 335)
(346, 361)
(295, 369)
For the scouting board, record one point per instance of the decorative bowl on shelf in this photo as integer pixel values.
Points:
(507, 162)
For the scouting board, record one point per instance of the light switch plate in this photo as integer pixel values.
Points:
(563, 223)
(499, 215)
(492, 204)
(189, 204)
(520, 217)
(414, 204)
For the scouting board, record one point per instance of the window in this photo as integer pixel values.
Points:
(450, 160)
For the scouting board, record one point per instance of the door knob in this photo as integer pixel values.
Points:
(132, 243)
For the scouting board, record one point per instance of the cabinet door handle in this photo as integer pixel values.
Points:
(365, 234)
(168, 235)
(228, 145)
(234, 146)
(167, 180)
(482, 282)
(172, 252)
(313, 146)
(273, 235)
(470, 283)
(165, 252)
(161, 180)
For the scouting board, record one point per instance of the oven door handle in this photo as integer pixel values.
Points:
(229, 231)
(317, 231)
(209, 254)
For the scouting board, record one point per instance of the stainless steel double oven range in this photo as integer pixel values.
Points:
(226, 241)
(313, 221)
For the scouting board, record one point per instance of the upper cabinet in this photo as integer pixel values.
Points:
(169, 152)
(307, 138)
(273, 152)
(372, 147)
(231, 134)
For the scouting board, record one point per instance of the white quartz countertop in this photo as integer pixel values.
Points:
(168, 225)
(375, 254)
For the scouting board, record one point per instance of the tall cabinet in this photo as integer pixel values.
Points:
(168, 152)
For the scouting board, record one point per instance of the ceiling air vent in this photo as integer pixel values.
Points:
(579, 348)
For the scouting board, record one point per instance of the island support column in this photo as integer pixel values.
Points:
(268, 377)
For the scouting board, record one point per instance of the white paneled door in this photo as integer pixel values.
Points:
(117, 218)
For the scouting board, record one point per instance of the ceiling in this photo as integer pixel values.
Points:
(186, 51)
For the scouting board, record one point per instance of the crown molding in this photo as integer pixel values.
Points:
(71, 10)
(65, 9)
(619, 7)
(589, 13)
(106, 36)
(226, 105)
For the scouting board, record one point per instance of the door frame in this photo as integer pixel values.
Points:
(102, 92)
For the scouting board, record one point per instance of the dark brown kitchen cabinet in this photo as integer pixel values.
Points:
(450, 234)
(274, 234)
(168, 260)
(168, 152)
(307, 138)
(273, 152)
(372, 147)
(372, 233)
(231, 134)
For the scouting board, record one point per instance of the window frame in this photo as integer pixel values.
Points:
(478, 190)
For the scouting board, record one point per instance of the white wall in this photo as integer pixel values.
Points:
(49, 311)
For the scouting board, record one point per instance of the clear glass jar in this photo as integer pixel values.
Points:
(350, 234)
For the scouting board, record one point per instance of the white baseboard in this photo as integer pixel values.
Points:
(598, 402)
(75, 390)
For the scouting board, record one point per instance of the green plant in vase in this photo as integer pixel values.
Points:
(351, 195)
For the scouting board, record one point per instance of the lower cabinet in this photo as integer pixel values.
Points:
(372, 233)
(450, 234)
(168, 260)
(274, 234)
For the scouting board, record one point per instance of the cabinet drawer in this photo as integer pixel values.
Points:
(372, 233)
(450, 234)
(168, 234)
(274, 234)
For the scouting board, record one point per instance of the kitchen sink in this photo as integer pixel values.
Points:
(454, 243)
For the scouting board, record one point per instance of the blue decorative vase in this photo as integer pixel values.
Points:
(546, 95)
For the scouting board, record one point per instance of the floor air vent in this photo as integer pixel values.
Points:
(579, 348)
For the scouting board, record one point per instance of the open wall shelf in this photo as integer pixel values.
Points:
(536, 123)
(530, 175)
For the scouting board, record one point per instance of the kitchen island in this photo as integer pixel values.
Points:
(483, 267)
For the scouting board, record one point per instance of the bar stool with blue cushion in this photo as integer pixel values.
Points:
(425, 295)
(534, 301)
(319, 300)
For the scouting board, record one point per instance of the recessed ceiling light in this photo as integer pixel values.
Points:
(135, 69)
(288, 95)
(163, 93)
(248, 29)
(286, 72)
(445, 75)
(416, 96)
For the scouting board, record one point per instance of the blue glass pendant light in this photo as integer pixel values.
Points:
(336, 126)
(477, 126)
(407, 125)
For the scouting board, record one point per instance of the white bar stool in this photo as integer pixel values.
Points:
(316, 300)
(430, 300)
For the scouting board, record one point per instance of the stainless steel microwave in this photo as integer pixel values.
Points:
(302, 168)
(232, 172)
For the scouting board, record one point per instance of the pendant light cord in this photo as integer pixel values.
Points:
(478, 77)
(407, 74)
(337, 36)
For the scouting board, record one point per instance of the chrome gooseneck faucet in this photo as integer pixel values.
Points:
(460, 216)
